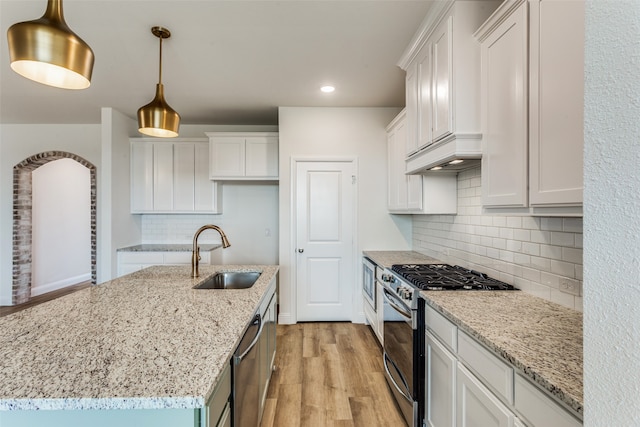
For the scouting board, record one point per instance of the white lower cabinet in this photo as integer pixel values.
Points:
(128, 262)
(537, 409)
(477, 406)
(440, 386)
(466, 385)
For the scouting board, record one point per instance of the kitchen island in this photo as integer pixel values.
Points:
(145, 341)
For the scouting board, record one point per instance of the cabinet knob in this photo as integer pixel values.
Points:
(300, 250)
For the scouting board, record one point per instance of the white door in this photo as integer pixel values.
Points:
(324, 218)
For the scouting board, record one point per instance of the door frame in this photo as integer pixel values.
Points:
(293, 274)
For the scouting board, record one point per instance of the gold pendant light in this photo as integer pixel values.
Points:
(47, 51)
(157, 118)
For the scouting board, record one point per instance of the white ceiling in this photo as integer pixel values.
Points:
(227, 62)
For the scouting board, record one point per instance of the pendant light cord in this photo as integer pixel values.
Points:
(160, 67)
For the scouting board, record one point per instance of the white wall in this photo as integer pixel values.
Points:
(249, 219)
(612, 214)
(340, 133)
(116, 226)
(61, 226)
(17, 142)
(537, 255)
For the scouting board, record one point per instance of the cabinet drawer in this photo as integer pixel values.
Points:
(540, 409)
(445, 330)
(496, 373)
(152, 258)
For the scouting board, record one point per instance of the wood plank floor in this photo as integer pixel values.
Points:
(9, 309)
(329, 374)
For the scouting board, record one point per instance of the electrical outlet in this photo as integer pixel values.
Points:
(570, 286)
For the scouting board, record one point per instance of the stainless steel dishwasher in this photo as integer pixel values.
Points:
(246, 377)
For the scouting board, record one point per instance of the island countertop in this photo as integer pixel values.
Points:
(142, 341)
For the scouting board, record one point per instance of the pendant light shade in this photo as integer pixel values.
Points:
(157, 118)
(47, 51)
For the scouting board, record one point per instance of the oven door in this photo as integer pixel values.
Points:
(399, 354)
(369, 282)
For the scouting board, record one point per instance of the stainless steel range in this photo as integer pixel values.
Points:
(404, 325)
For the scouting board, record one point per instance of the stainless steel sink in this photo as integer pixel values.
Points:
(230, 280)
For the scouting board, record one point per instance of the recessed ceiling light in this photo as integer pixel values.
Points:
(436, 168)
(455, 162)
(327, 89)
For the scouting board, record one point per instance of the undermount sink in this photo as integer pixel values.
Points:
(230, 280)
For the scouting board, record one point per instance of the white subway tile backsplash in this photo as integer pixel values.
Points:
(514, 222)
(531, 248)
(522, 235)
(551, 224)
(563, 268)
(535, 254)
(563, 239)
(553, 252)
(572, 225)
(573, 255)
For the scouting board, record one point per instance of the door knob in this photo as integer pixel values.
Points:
(300, 250)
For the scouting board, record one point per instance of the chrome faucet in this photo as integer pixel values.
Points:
(195, 255)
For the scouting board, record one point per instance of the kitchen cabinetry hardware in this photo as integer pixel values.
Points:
(300, 250)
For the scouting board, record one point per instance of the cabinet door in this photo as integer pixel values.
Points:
(162, 176)
(556, 101)
(396, 195)
(205, 191)
(141, 177)
(183, 176)
(261, 157)
(412, 99)
(477, 406)
(442, 79)
(226, 156)
(504, 112)
(425, 110)
(440, 385)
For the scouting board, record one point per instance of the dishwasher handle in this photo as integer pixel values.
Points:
(258, 319)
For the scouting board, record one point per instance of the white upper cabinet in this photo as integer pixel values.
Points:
(442, 90)
(411, 110)
(172, 177)
(532, 106)
(504, 112)
(243, 156)
(415, 194)
(556, 120)
(446, 59)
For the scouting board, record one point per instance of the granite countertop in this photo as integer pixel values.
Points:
(543, 340)
(386, 259)
(145, 340)
(158, 247)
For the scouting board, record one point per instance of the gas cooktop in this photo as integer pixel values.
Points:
(444, 277)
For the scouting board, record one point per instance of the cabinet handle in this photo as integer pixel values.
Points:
(300, 250)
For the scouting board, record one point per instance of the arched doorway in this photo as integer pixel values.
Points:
(22, 220)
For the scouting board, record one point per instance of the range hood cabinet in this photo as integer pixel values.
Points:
(467, 147)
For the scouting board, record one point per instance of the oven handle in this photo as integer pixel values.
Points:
(386, 368)
(396, 307)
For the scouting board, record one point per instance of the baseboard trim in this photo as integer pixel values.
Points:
(54, 286)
